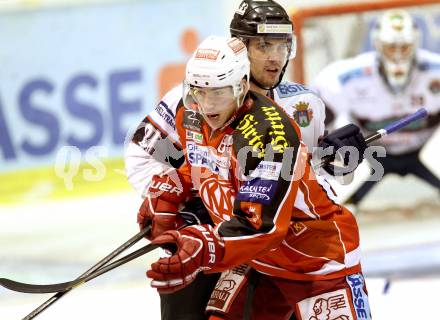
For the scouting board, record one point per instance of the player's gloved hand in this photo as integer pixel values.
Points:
(196, 248)
(347, 136)
(161, 205)
(195, 212)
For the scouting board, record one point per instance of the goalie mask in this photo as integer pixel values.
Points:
(216, 79)
(395, 38)
(267, 26)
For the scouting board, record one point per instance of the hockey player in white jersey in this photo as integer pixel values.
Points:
(378, 87)
(266, 29)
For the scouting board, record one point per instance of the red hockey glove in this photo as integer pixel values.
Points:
(197, 248)
(161, 205)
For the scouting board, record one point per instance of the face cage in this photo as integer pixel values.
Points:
(396, 53)
(391, 69)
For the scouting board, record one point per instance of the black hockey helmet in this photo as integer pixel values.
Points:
(267, 19)
(252, 16)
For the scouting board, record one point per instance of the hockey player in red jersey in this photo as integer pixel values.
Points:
(156, 147)
(245, 157)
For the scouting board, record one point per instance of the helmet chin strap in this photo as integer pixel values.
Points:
(240, 97)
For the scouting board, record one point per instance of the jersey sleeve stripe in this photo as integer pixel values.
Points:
(301, 205)
(304, 188)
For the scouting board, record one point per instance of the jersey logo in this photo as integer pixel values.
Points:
(434, 86)
(258, 190)
(298, 228)
(197, 137)
(225, 144)
(202, 156)
(359, 296)
(426, 66)
(287, 89)
(166, 114)
(354, 74)
(150, 138)
(192, 120)
(248, 129)
(267, 170)
(333, 305)
(417, 100)
(227, 288)
(252, 213)
(218, 197)
(303, 114)
(278, 134)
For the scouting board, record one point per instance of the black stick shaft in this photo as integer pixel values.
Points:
(392, 127)
(123, 260)
(63, 286)
(90, 271)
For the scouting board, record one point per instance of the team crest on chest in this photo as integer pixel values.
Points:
(434, 86)
(303, 114)
(218, 197)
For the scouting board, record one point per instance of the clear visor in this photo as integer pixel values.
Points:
(267, 48)
(208, 100)
(397, 52)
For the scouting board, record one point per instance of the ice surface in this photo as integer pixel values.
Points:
(57, 241)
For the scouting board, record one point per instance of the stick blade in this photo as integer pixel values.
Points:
(36, 288)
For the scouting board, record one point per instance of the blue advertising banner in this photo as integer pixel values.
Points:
(83, 76)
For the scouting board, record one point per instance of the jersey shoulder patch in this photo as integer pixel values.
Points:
(356, 73)
(428, 65)
(428, 61)
(166, 114)
(434, 86)
(289, 89)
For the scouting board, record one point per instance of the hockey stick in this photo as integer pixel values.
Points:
(63, 286)
(89, 272)
(392, 127)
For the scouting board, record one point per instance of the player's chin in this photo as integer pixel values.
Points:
(215, 123)
(271, 78)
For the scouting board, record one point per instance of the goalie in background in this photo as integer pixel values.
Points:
(375, 88)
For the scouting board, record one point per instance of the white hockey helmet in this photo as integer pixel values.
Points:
(218, 62)
(395, 38)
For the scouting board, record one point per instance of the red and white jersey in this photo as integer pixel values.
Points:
(147, 154)
(283, 225)
(156, 137)
(355, 91)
